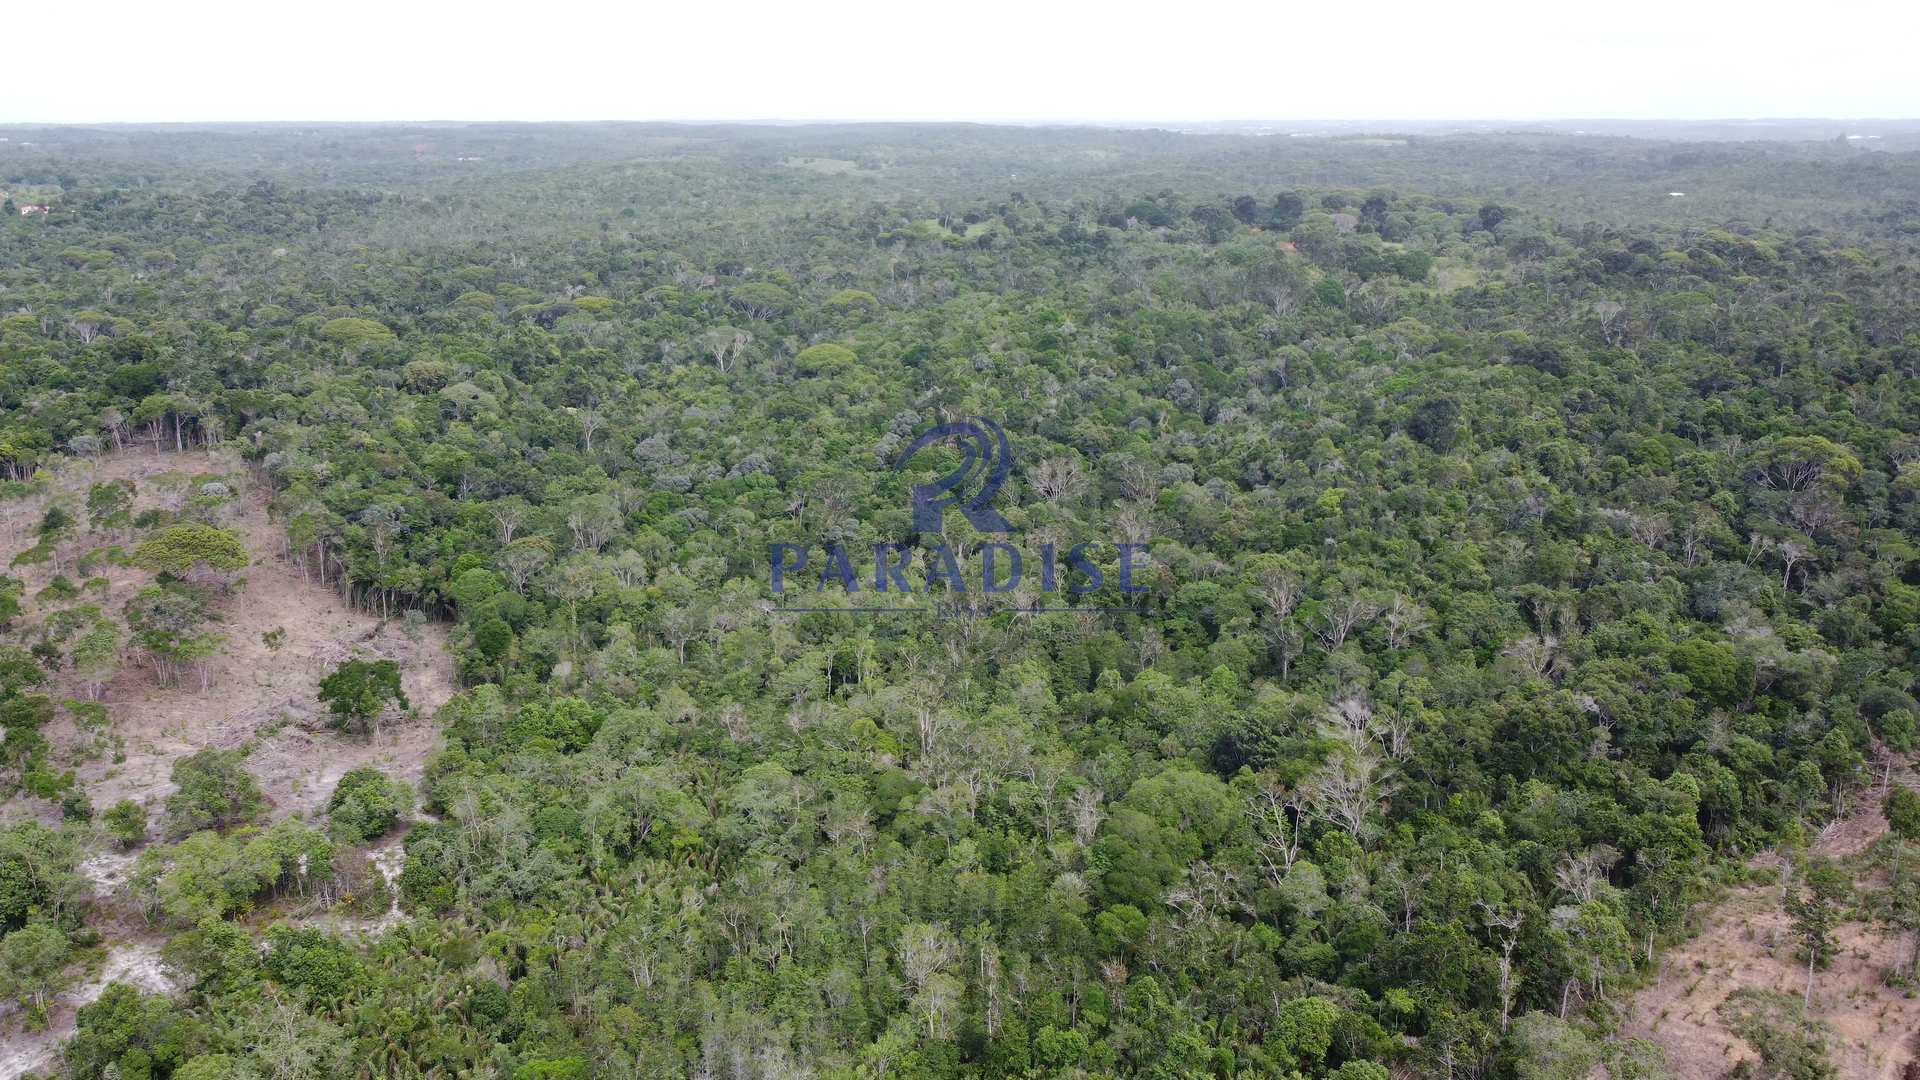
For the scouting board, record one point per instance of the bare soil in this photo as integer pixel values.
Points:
(1745, 940)
(134, 961)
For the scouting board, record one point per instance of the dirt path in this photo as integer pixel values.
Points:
(1746, 941)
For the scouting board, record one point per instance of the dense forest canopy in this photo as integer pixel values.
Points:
(1524, 545)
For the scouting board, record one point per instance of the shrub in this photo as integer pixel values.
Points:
(365, 804)
(358, 691)
(1903, 813)
(214, 792)
(130, 1034)
(309, 960)
(36, 873)
(184, 549)
(126, 822)
(1791, 1044)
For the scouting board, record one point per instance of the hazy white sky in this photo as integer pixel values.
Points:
(991, 60)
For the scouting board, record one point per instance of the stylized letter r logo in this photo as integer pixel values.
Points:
(986, 453)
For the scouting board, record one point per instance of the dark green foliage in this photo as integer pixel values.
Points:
(1712, 669)
(37, 878)
(216, 956)
(19, 672)
(562, 723)
(358, 691)
(126, 1033)
(110, 505)
(212, 790)
(10, 590)
(169, 622)
(1902, 806)
(1435, 423)
(307, 960)
(22, 747)
(32, 962)
(365, 804)
(1814, 903)
(475, 587)
(493, 638)
(566, 1068)
(55, 524)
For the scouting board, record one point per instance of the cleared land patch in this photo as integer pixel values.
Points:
(1746, 940)
(256, 696)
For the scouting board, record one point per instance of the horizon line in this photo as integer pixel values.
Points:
(777, 121)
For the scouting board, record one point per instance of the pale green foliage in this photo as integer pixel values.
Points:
(1791, 1044)
(32, 959)
(185, 548)
(354, 331)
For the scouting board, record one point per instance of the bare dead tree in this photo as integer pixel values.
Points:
(591, 421)
(1405, 620)
(1350, 787)
(1278, 814)
(1350, 720)
(1058, 479)
(1287, 643)
(1087, 814)
(508, 516)
(1504, 924)
(1349, 790)
(1209, 893)
(1138, 482)
(1612, 318)
(1582, 876)
(1813, 511)
(1791, 553)
(1648, 529)
(1340, 615)
(1694, 534)
(1406, 885)
(1280, 590)
(592, 521)
(1134, 526)
(1537, 654)
(725, 344)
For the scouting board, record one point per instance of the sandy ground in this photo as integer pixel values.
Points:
(1746, 940)
(136, 962)
(260, 698)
